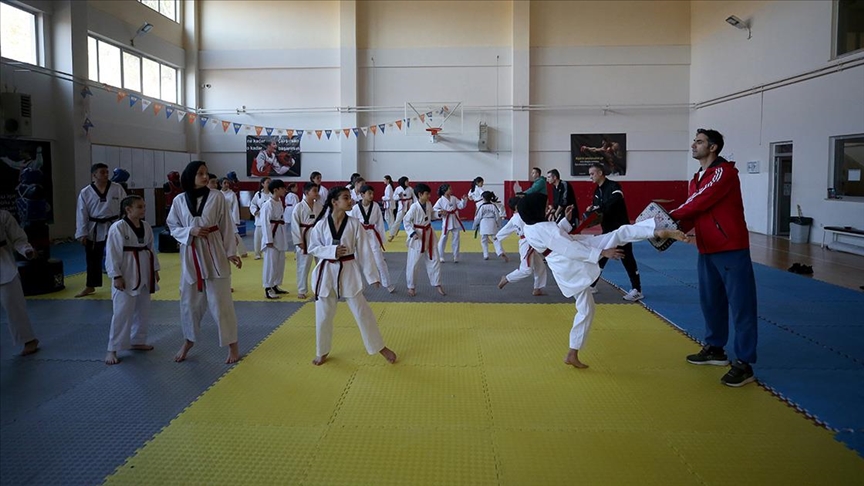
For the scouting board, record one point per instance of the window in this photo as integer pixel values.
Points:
(848, 159)
(850, 26)
(18, 39)
(118, 67)
(167, 8)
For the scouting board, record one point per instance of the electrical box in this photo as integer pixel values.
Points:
(15, 115)
(483, 139)
(753, 167)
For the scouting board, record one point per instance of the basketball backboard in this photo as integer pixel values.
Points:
(444, 115)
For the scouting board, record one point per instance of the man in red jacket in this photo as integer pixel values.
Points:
(727, 287)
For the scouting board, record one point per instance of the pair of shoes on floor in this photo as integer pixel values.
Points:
(270, 293)
(801, 269)
(633, 296)
(739, 374)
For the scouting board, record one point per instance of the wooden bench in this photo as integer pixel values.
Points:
(840, 231)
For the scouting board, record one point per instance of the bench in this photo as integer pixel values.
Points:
(840, 231)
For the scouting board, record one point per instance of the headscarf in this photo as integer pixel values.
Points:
(187, 182)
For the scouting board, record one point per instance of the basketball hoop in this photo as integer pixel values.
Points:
(433, 134)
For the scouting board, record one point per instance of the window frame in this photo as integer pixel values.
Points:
(38, 32)
(159, 10)
(835, 27)
(833, 175)
(141, 56)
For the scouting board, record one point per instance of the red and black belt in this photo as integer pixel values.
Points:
(340, 261)
(304, 230)
(276, 223)
(198, 275)
(375, 231)
(135, 251)
(427, 235)
(455, 213)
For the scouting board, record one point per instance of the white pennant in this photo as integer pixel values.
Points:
(337, 132)
(180, 115)
(365, 131)
(145, 104)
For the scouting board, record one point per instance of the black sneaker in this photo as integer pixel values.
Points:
(740, 374)
(710, 355)
(279, 291)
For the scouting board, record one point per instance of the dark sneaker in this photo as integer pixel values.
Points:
(710, 355)
(740, 374)
(279, 291)
(271, 294)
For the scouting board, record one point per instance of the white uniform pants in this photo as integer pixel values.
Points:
(484, 243)
(13, 302)
(433, 267)
(397, 222)
(537, 267)
(389, 217)
(378, 255)
(325, 311)
(454, 245)
(274, 267)
(217, 298)
(241, 247)
(304, 266)
(130, 320)
(583, 318)
(256, 245)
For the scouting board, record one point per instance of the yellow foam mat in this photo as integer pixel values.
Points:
(480, 396)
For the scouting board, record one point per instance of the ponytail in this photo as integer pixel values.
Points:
(328, 203)
(474, 183)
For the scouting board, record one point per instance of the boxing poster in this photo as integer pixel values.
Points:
(276, 156)
(29, 198)
(607, 149)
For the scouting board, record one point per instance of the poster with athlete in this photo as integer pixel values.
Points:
(30, 197)
(273, 156)
(608, 149)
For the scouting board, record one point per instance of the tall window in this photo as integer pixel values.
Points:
(849, 165)
(18, 39)
(167, 8)
(118, 67)
(850, 26)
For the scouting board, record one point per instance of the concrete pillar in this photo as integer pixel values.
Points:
(521, 88)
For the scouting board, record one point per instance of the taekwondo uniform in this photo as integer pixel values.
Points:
(234, 209)
(258, 199)
(340, 277)
(13, 238)
(373, 224)
(486, 222)
(291, 200)
(529, 260)
(303, 220)
(573, 260)
(448, 210)
(95, 213)
(205, 271)
(129, 254)
(274, 233)
(403, 197)
(389, 217)
(421, 244)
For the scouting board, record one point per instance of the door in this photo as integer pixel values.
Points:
(782, 162)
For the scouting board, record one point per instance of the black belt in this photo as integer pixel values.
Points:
(104, 220)
(346, 258)
(135, 251)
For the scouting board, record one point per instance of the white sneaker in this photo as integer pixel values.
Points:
(633, 295)
(594, 290)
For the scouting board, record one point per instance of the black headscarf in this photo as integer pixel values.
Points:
(187, 182)
(532, 208)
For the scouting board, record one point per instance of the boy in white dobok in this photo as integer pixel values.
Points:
(291, 201)
(258, 199)
(13, 238)
(369, 215)
(234, 209)
(134, 269)
(274, 241)
(447, 208)
(200, 222)
(302, 220)
(403, 197)
(573, 259)
(421, 241)
(337, 241)
(529, 260)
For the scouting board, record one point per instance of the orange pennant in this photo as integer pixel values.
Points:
(121, 95)
(191, 118)
(374, 129)
(319, 132)
(346, 131)
(225, 125)
(157, 107)
(258, 130)
(290, 133)
(422, 118)
(399, 124)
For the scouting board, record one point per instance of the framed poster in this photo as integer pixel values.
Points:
(607, 149)
(36, 191)
(273, 156)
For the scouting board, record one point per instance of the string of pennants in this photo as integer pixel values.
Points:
(205, 121)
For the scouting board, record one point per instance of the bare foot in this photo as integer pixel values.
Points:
(412, 292)
(87, 291)
(233, 354)
(319, 360)
(572, 359)
(505, 257)
(301, 296)
(388, 354)
(184, 350)
(538, 292)
(390, 238)
(142, 347)
(440, 290)
(30, 347)
(671, 234)
(503, 282)
(111, 358)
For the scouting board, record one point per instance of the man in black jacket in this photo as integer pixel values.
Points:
(609, 204)
(562, 197)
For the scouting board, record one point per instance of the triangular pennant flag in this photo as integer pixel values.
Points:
(299, 134)
(237, 128)
(180, 115)
(365, 131)
(356, 132)
(381, 127)
(337, 133)
(327, 132)
(121, 95)
(203, 120)
(87, 125)
(145, 104)
(422, 118)
(374, 129)
(347, 132)
(132, 100)
(258, 130)
(318, 133)
(290, 133)
(169, 110)
(157, 107)
(428, 113)
(85, 92)
(225, 125)
(399, 124)
(269, 131)
(192, 117)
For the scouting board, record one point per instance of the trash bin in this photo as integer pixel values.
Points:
(799, 229)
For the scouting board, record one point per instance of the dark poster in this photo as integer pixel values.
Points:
(273, 156)
(34, 198)
(610, 150)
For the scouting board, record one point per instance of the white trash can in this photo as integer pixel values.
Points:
(799, 229)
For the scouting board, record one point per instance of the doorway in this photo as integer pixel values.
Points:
(781, 155)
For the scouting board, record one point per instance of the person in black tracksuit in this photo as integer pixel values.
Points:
(609, 203)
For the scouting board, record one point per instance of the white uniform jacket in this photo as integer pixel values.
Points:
(341, 275)
(418, 222)
(487, 219)
(404, 197)
(573, 263)
(302, 221)
(95, 212)
(388, 196)
(131, 257)
(373, 222)
(12, 238)
(233, 206)
(272, 213)
(258, 199)
(203, 258)
(447, 210)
